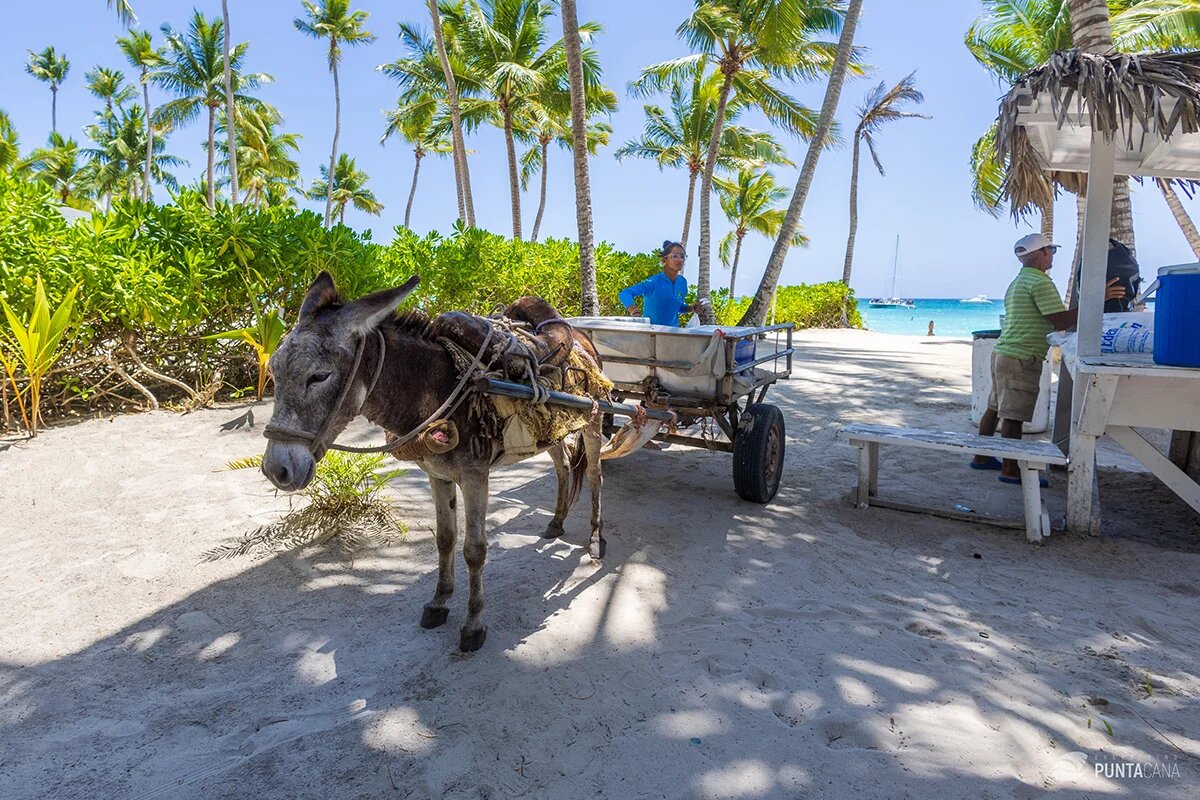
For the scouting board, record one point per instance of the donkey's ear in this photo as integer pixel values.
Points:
(365, 313)
(322, 293)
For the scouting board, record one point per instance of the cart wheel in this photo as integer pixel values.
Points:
(758, 453)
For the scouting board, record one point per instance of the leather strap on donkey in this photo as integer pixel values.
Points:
(316, 442)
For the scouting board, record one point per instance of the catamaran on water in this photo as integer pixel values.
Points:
(892, 301)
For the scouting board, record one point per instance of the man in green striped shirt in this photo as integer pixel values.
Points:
(1032, 309)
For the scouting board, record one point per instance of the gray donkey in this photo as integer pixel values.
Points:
(346, 359)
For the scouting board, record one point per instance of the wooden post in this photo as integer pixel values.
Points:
(1096, 225)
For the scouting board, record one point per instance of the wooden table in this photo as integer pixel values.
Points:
(1113, 394)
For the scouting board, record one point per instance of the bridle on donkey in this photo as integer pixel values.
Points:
(315, 442)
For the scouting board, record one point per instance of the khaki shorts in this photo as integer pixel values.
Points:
(1015, 383)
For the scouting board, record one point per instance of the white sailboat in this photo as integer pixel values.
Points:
(893, 301)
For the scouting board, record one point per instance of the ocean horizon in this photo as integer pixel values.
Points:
(950, 316)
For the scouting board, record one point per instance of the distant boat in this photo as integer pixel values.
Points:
(893, 301)
(979, 298)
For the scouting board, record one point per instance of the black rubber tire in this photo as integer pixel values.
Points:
(758, 448)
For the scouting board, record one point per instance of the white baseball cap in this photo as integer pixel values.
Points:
(1031, 243)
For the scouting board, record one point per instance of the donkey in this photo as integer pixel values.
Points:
(322, 372)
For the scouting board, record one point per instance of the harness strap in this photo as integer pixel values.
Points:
(316, 443)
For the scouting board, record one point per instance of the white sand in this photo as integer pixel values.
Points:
(723, 649)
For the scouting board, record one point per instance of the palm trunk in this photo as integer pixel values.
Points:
(1047, 229)
(53, 109)
(149, 139)
(1090, 27)
(342, 214)
(337, 132)
(1091, 31)
(702, 279)
(462, 175)
(737, 255)
(849, 262)
(412, 193)
(687, 215)
(537, 221)
(1077, 256)
(1181, 216)
(1121, 221)
(514, 182)
(791, 221)
(212, 156)
(230, 130)
(590, 301)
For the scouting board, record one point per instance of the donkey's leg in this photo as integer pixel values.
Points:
(593, 440)
(562, 503)
(446, 505)
(475, 497)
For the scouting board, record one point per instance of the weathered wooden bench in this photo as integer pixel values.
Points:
(1030, 456)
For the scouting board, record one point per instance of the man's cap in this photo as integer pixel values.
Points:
(1028, 244)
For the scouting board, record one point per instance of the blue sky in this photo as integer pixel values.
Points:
(947, 248)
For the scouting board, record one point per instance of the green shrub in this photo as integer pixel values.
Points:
(155, 281)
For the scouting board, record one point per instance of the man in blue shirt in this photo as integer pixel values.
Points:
(662, 293)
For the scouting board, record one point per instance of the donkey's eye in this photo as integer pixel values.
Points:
(317, 378)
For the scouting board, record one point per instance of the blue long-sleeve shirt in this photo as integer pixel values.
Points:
(662, 298)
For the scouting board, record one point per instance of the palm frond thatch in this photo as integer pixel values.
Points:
(1125, 94)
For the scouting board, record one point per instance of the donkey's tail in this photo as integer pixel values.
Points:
(576, 454)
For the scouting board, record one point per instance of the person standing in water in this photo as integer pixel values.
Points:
(663, 293)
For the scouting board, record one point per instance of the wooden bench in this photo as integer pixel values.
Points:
(1030, 456)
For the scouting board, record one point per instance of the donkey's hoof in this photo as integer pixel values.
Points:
(597, 548)
(470, 641)
(553, 531)
(433, 617)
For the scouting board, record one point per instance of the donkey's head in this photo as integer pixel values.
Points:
(320, 380)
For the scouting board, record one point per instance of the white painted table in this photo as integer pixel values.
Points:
(1114, 394)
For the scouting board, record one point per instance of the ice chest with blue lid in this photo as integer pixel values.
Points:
(1177, 316)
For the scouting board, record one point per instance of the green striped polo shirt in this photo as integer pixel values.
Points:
(1030, 297)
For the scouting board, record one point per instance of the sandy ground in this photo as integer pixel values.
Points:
(722, 649)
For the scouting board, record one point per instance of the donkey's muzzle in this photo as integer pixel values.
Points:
(289, 466)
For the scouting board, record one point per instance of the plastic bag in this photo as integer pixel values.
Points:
(693, 321)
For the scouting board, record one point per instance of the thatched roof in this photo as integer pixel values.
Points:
(1137, 99)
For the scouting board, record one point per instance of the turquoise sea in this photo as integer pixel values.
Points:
(950, 317)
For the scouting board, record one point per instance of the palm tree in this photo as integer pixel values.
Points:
(757, 311)
(333, 20)
(680, 135)
(61, 167)
(124, 12)
(419, 130)
(195, 74)
(109, 85)
(426, 89)
(503, 43)
(349, 186)
(10, 143)
(462, 174)
(579, 83)
(752, 42)
(749, 201)
(880, 107)
(1014, 36)
(140, 53)
(268, 171)
(116, 166)
(230, 114)
(543, 125)
(49, 67)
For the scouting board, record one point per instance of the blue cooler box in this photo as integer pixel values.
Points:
(1177, 316)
